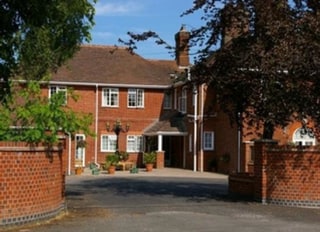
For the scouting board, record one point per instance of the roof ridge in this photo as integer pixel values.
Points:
(103, 46)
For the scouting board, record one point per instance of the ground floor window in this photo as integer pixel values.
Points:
(208, 140)
(134, 143)
(108, 143)
(304, 136)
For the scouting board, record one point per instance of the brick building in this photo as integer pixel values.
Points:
(158, 110)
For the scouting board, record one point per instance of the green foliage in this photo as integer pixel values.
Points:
(112, 159)
(261, 58)
(39, 36)
(28, 116)
(123, 156)
(269, 70)
(149, 157)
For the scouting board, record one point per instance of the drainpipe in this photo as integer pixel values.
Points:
(96, 128)
(69, 153)
(195, 131)
(201, 125)
(239, 142)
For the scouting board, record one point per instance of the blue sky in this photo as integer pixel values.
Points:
(114, 18)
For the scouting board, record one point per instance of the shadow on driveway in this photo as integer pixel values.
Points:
(160, 188)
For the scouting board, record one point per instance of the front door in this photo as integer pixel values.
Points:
(80, 150)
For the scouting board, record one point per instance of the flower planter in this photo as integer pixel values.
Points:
(149, 167)
(78, 170)
(111, 169)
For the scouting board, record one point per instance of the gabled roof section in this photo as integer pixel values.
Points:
(114, 65)
(170, 123)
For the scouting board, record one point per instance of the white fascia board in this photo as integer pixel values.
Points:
(110, 85)
(172, 133)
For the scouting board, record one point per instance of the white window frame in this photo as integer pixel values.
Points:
(134, 143)
(53, 89)
(80, 151)
(208, 140)
(167, 100)
(183, 101)
(110, 97)
(303, 139)
(108, 143)
(135, 96)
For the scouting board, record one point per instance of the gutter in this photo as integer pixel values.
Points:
(111, 85)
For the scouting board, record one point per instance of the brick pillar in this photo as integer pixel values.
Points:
(160, 159)
(260, 169)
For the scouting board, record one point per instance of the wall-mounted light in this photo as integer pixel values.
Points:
(117, 128)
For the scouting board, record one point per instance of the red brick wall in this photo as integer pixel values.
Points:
(241, 184)
(282, 176)
(289, 177)
(137, 118)
(31, 183)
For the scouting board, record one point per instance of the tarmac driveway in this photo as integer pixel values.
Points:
(169, 200)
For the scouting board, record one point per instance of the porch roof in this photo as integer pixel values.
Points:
(170, 123)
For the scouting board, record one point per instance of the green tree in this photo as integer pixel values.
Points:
(38, 36)
(261, 57)
(29, 116)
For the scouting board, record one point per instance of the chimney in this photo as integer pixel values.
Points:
(182, 47)
(235, 22)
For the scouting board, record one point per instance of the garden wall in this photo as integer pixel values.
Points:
(282, 175)
(32, 183)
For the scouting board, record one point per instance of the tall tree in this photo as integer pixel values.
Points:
(268, 71)
(261, 57)
(38, 36)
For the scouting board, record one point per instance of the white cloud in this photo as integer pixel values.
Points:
(113, 9)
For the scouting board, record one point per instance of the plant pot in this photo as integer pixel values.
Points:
(78, 171)
(111, 169)
(149, 167)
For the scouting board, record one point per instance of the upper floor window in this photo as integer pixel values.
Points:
(58, 89)
(208, 140)
(183, 101)
(134, 143)
(110, 97)
(135, 98)
(108, 143)
(167, 101)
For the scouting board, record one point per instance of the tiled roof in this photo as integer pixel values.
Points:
(172, 122)
(114, 65)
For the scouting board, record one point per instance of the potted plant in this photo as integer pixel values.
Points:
(149, 159)
(111, 163)
(123, 156)
(79, 170)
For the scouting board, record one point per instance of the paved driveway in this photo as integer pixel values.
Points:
(169, 200)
